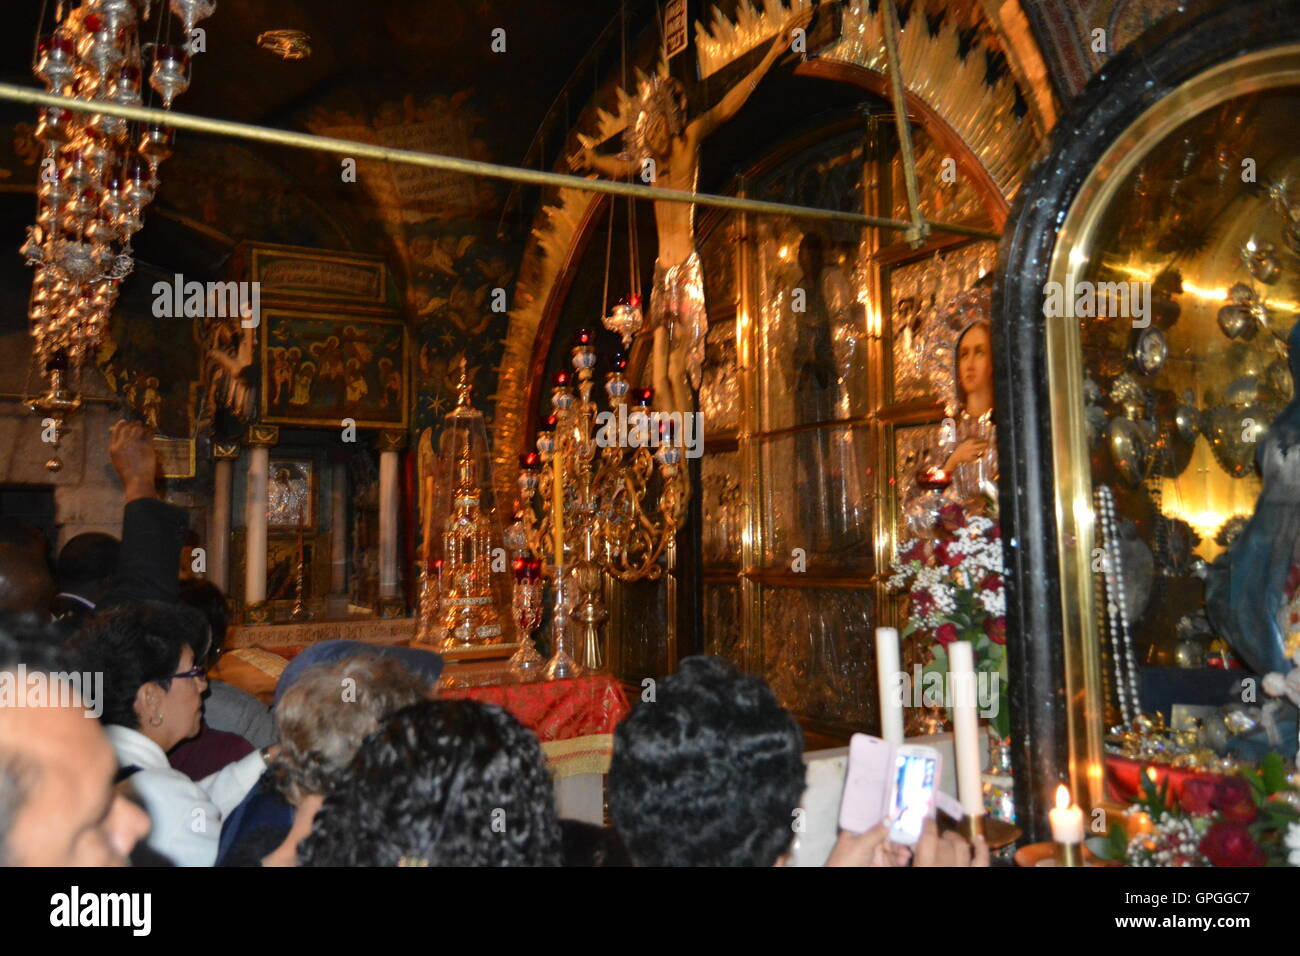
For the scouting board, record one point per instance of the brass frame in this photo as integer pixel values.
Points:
(1265, 69)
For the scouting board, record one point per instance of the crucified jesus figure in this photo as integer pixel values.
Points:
(665, 150)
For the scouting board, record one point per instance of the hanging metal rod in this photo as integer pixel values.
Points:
(351, 149)
(919, 229)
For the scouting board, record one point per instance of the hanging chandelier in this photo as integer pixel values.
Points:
(96, 176)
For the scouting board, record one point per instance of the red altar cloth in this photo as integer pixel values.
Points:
(556, 710)
(1124, 778)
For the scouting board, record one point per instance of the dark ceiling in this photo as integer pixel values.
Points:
(364, 54)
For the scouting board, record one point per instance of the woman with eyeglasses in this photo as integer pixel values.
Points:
(151, 700)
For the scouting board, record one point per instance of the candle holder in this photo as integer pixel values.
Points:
(561, 666)
(299, 612)
(526, 664)
(1069, 854)
(971, 827)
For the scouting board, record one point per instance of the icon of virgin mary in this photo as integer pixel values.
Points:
(963, 467)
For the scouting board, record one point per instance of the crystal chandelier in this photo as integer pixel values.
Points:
(96, 176)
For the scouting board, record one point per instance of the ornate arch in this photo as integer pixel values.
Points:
(952, 85)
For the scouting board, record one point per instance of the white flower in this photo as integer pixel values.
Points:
(1293, 844)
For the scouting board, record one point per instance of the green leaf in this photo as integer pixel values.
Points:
(1116, 842)
(1273, 773)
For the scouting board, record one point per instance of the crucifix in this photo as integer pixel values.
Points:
(665, 149)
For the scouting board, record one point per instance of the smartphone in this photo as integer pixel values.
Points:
(911, 792)
(866, 783)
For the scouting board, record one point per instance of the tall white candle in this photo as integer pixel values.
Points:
(887, 667)
(1067, 819)
(965, 724)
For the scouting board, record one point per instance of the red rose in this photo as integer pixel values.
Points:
(991, 582)
(951, 517)
(1233, 799)
(946, 634)
(996, 629)
(995, 532)
(950, 558)
(921, 603)
(1197, 797)
(1229, 844)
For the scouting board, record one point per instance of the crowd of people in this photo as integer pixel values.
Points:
(131, 754)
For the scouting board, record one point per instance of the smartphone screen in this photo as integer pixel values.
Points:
(914, 783)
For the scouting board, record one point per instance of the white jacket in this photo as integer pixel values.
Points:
(186, 815)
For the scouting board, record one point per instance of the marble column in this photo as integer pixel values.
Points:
(390, 445)
(224, 455)
(260, 440)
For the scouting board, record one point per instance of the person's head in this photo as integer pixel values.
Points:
(206, 598)
(709, 773)
(24, 537)
(87, 563)
(663, 116)
(425, 665)
(441, 783)
(26, 585)
(975, 365)
(323, 718)
(142, 649)
(58, 806)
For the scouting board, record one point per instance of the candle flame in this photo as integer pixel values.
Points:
(1062, 797)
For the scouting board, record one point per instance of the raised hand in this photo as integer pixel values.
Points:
(130, 448)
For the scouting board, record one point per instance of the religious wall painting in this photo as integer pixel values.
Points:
(323, 368)
(458, 294)
(719, 400)
(152, 364)
(291, 494)
(921, 344)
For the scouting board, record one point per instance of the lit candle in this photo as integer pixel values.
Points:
(1066, 819)
(965, 725)
(887, 668)
(557, 503)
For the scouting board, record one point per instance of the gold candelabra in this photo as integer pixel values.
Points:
(606, 490)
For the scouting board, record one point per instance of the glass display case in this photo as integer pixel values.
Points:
(1146, 319)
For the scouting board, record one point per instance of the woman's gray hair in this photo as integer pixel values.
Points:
(329, 711)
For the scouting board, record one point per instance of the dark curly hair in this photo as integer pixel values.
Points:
(441, 783)
(137, 644)
(709, 773)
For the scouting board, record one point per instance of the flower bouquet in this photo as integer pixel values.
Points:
(954, 589)
(1252, 819)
